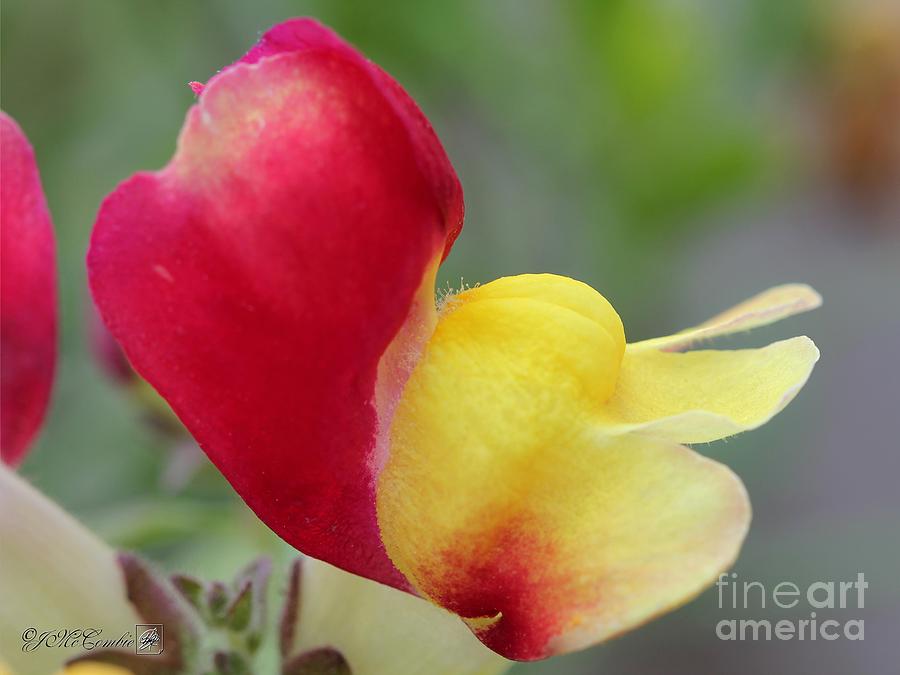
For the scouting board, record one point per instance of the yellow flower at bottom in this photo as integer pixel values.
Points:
(82, 668)
(536, 484)
(88, 668)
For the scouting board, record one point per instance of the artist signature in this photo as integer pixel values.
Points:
(87, 639)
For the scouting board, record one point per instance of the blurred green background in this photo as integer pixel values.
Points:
(677, 156)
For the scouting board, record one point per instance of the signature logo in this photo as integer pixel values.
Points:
(146, 639)
(149, 638)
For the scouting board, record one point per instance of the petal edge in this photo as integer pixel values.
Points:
(704, 395)
(771, 305)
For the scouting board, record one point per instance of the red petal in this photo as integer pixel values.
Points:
(295, 35)
(258, 279)
(27, 295)
(302, 34)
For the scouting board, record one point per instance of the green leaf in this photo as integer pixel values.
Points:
(192, 589)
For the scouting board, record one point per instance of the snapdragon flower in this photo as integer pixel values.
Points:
(508, 455)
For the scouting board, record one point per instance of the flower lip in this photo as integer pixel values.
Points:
(546, 514)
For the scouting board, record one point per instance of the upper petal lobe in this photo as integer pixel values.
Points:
(302, 35)
(764, 308)
(260, 278)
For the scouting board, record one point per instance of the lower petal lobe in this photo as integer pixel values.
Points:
(502, 502)
(701, 396)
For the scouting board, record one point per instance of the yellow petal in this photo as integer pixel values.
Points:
(94, 668)
(558, 291)
(502, 502)
(768, 307)
(700, 396)
(554, 325)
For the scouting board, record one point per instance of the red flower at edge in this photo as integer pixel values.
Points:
(27, 295)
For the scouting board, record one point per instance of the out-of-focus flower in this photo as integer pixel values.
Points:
(27, 296)
(82, 669)
(89, 668)
(184, 458)
(379, 630)
(507, 455)
(862, 103)
(54, 574)
(112, 360)
(107, 352)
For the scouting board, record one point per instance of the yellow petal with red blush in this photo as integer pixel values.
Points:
(767, 307)
(503, 501)
(701, 396)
